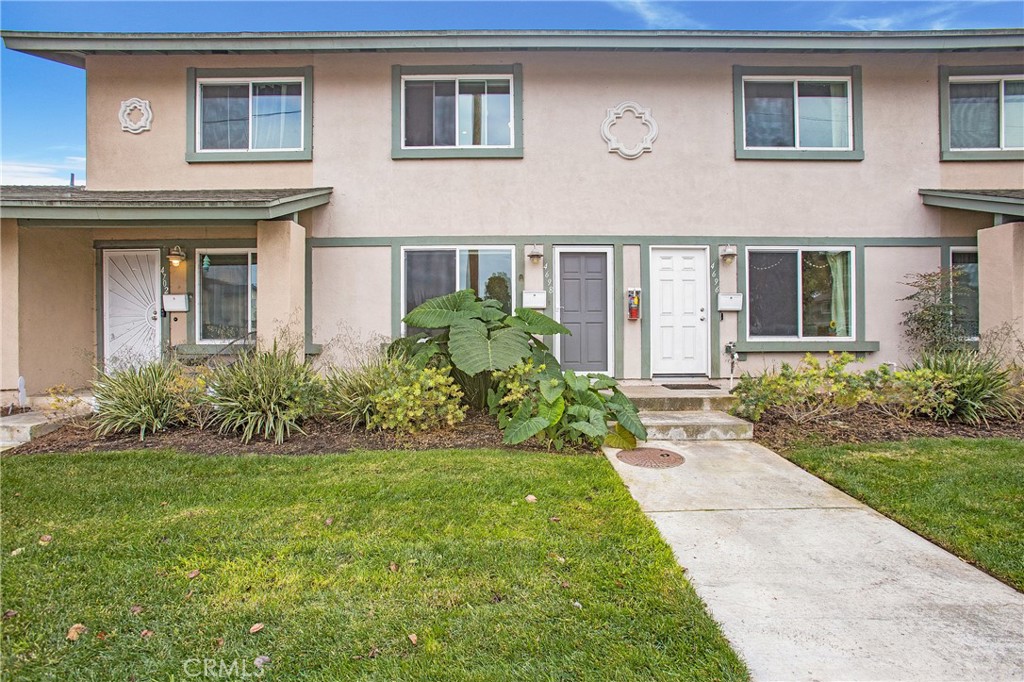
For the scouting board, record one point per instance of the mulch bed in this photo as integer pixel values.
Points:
(478, 431)
(778, 433)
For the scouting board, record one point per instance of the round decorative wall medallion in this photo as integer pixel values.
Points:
(136, 115)
(645, 117)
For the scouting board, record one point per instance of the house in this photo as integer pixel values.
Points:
(687, 202)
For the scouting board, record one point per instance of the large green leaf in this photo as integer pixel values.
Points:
(533, 322)
(628, 419)
(474, 349)
(575, 382)
(523, 426)
(550, 387)
(602, 381)
(444, 311)
(552, 411)
(620, 438)
(591, 399)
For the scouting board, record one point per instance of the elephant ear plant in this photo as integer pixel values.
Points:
(503, 366)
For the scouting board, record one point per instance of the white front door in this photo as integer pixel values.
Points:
(131, 307)
(679, 311)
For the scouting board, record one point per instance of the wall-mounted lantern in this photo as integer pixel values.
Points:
(176, 256)
(536, 255)
(727, 252)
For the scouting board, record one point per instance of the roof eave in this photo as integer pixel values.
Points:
(972, 202)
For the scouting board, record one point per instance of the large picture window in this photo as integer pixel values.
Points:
(800, 293)
(448, 112)
(809, 113)
(225, 295)
(436, 271)
(250, 114)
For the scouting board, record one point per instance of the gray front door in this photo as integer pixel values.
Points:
(583, 302)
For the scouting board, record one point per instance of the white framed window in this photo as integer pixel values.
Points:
(964, 261)
(799, 113)
(225, 294)
(474, 111)
(986, 113)
(249, 115)
(431, 271)
(796, 293)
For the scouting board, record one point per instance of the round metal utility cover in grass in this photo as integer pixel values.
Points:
(651, 458)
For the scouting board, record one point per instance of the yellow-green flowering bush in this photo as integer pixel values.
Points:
(417, 400)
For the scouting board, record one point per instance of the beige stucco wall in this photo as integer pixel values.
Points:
(1001, 278)
(9, 367)
(351, 299)
(281, 288)
(56, 308)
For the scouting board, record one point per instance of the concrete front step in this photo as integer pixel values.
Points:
(21, 428)
(703, 425)
(658, 398)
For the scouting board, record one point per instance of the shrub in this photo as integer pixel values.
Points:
(416, 399)
(265, 393)
(137, 399)
(191, 388)
(349, 391)
(808, 391)
(535, 399)
(983, 387)
(910, 392)
(934, 322)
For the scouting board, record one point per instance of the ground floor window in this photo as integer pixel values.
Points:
(435, 271)
(965, 293)
(225, 294)
(799, 293)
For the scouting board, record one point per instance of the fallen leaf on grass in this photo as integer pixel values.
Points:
(531, 499)
(16, 552)
(556, 557)
(393, 567)
(261, 661)
(565, 585)
(188, 595)
(255, 628)
(619, 584)
(45, 539)
(136, 609)
(218, 643)
(146, 634)
(329, 521)
(577, 605)
(374, 652)
(163, 504)
(554, 519)
(10, 613)
(76, 631)
(192, 575)
(101, 635)
(413, 638)
(17, 494)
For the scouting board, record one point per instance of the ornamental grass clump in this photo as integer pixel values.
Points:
(265, 393)
(983, 388)
(143, 399)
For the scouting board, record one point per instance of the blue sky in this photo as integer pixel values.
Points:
(43, 144)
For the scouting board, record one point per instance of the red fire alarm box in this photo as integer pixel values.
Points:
(632, 304)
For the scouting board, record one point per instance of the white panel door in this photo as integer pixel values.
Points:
(131, 307)
(679, 311)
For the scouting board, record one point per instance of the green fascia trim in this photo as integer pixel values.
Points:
(658, 240)
(805, 346)
(973, 202)
(513, 152)
(206, 349)
(194, 156)
(137, 224)
(852, 72)
(947, 154)
(72, 48)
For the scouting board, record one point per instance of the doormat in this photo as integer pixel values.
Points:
(691, 387)
(651, 458)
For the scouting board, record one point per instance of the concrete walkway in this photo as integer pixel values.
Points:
(809, 584)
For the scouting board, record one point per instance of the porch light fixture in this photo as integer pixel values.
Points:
(176, 256)
(535, 255)
(727, 252)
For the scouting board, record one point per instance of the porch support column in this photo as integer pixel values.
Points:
(281, 282)
(9, 359)
(1001, 277)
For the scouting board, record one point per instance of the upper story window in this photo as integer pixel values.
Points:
(449, 112)
(250, 114)
(982, 112)
(805, 113)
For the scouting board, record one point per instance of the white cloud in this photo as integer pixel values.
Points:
(28, 173)
(657, 14)
(927, 16)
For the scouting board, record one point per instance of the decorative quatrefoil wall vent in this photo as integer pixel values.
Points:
(132, 122)
(645, 117)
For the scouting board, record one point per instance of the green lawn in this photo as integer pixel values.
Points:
(966, 495)
(437, 544)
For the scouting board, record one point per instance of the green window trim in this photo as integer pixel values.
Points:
(513, 152)
(949, 154)
(852, 72)
(193, 155)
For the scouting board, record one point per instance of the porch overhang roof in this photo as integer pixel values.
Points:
(78, 206)
(1007, 202)
(73, 48)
